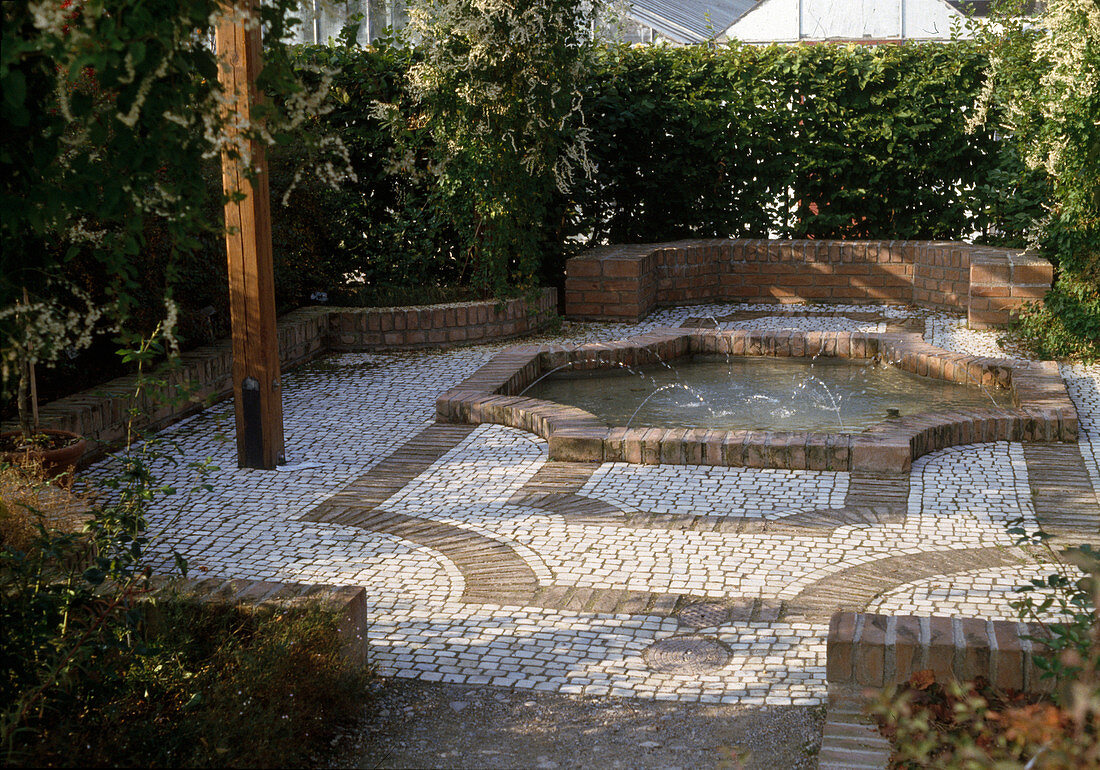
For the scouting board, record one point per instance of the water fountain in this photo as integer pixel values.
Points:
(813, 400)
(753, 393)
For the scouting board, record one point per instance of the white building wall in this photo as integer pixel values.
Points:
(771, 20)
(850, 19)
(786, 21)
(931, 19)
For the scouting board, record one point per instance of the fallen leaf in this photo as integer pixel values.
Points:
(923, 679)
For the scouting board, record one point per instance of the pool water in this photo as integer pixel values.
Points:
(759, 393)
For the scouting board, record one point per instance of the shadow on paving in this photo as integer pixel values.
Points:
(409, 723)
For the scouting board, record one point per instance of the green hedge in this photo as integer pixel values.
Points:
(796, 141)
(391, 228)
(791, 141)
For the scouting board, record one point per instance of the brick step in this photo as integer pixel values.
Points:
(854, 736)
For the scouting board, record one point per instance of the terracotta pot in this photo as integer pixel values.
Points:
(56, 461)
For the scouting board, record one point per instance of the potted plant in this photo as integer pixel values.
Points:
(37, 332)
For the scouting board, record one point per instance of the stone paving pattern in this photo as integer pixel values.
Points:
(486, 563)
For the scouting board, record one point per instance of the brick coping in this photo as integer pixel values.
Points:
(626, 282)
(871, 650)
(425, 326)
(1043, 411)
(347, 603)
(866, 652)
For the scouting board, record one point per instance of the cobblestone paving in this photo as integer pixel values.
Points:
(767, 492)
(983, 593)
(486, 564)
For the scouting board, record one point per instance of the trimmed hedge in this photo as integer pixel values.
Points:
(794, 141)
(790, 141)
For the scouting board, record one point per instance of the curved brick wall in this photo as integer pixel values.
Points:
(627, 282)
(1043, 411)
(438, 325)
(101, 414)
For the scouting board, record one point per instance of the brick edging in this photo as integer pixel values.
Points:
(347, 603)
(1044, 411)
(867, 650)
(626, 282)
(204, 375)
(460, 323)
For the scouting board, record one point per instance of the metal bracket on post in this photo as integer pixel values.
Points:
(251, 406)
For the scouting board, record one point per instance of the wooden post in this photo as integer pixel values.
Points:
(256, 379)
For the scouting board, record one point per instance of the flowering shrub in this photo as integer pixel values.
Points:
(684, 142)
(37, 333)
(494, 87)
(1043, 90)
(110, 114)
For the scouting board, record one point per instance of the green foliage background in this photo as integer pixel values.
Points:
(751, 140)
(1043, 91)
(697, 142)
(742, 141)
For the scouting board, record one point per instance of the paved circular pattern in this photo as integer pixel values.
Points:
(704, 614)
(686, 655)
(423, 516)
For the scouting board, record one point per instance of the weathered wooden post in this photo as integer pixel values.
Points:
(256, 378)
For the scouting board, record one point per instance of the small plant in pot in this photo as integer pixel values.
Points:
(36, 332)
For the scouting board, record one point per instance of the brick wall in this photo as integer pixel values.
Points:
(430, 326)
(1000, 282)
(868, 650)
(941, 275)
(628, 282)
(614, 282)
(347, 603)
(205, 374)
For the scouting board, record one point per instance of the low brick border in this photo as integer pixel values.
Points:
(626, 282)
(866, 652)
(347, 603)
(1044, 411)
(461, 323)
(204, 375)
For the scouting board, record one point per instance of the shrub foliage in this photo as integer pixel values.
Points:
(1042, 89)
(793, 141)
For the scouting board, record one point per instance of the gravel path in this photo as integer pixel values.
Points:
(408, 723)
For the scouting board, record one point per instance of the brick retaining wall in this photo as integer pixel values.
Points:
(628, 282)
(436, 325)
(204, 375)
(867, 650)
(347, 603)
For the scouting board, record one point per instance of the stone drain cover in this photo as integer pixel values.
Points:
(704, 614)
(686, 655)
